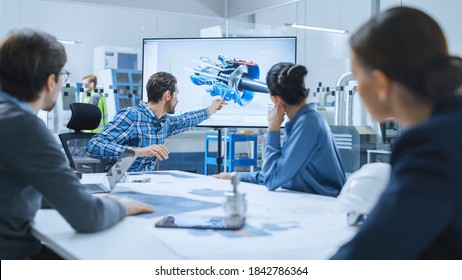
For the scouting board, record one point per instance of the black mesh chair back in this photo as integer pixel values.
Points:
(85, 117)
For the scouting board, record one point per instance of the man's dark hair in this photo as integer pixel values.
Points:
(27, 58)
(159, 83)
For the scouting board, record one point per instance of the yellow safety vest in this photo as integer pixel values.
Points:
(103, 107)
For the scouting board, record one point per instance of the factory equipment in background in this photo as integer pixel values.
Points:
(113, 57)
(353, 141)
(346, 87)
(119, 76)
(57, 119)
(354, 131)
(123, 88)
(391, 130)
(326, 104)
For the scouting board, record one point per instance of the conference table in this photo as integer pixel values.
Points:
(279, 225)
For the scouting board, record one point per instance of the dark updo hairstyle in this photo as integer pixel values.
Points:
(287, 81)
(410, 48)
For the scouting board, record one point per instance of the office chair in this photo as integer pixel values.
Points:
(83, 117)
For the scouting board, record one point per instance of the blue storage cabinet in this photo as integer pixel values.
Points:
(231, 161)
(122, 88)
(127, 88)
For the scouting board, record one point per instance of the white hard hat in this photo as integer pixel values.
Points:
(362, 191)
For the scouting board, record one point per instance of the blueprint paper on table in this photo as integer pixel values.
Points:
(168, 205)
(295, 225)
(263, 225)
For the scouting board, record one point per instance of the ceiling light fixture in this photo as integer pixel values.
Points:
(316, 28)
(69, 42)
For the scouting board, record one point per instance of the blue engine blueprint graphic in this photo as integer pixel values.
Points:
(232, 79)
(168, 205)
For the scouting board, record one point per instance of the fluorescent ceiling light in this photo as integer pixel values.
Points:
(316, 28)
(69, 42)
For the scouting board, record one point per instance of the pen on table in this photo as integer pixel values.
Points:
(144, 180)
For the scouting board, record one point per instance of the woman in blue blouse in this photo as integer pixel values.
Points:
(309, 160)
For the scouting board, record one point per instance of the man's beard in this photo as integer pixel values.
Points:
(171, 109)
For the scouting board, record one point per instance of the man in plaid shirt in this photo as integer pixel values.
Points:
(144, 128)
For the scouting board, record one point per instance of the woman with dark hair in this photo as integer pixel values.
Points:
(404, 71)
(309, 160)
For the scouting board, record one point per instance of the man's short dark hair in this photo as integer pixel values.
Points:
(159, 83)
(27, 58)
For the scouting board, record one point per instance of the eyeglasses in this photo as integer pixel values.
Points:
(64, 75)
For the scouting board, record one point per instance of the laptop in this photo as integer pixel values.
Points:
(114, 175)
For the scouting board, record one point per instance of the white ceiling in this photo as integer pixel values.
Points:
(209, 8)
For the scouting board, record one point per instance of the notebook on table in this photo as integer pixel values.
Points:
(114, 175)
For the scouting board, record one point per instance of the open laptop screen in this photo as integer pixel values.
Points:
(122, 165)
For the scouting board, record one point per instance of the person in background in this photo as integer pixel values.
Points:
(309, 160)
(92, 96)
(145, 127)
(404, 71)
(32, 165)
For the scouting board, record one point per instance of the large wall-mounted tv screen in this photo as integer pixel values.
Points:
(208, 68)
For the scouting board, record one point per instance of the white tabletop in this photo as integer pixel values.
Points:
(279, 224)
